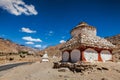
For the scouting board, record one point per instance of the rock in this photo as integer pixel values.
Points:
(63, 70)
(118, 71)
(66, 79)
(88, 72)
(104, 68)
(81, 67)
(64, 65)
(66, 76)
(78, 70)
(11, 58)
(22, 55)
(99, 68)
(56, 65)
(60, 76)
(48, 71)
(104, 79)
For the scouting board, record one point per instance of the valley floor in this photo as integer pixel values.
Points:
(44, 71)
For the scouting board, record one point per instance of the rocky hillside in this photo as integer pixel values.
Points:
(116, 41)
(52, 50)
(7, 46)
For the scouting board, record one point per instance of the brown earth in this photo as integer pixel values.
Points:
(17, 58)
(116, 41)
(44, 71)
(52, 50)
(9, 47)
(10, 52)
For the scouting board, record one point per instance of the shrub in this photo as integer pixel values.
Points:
(11, 58)
(22, 55)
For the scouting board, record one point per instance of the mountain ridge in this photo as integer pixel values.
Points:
(7, 46)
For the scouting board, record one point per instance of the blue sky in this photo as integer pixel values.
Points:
(42, 23)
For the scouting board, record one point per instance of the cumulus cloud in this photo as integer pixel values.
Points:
(29, 42)
(38, 46)
(62, 41)
(27, 30)
(30, 39)
(17, 7)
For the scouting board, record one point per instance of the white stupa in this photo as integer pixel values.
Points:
(45, 57)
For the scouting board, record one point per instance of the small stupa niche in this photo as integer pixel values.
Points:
(45, 57)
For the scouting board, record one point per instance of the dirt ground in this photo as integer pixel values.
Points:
(44, 71)
(17, 58)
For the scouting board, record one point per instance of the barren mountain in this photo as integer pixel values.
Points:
(116, 41)
(7, 46)
(52, 50)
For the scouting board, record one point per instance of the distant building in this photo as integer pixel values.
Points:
(45, 57)
(86, 46)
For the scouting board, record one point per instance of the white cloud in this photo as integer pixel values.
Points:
(27, 30)
(50, 33)
(43, 47)
(18, 7)
(62, 41)
(38, 46)
(29, 38)
(29, 42)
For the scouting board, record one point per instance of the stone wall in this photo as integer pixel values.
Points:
(83, 31)
(96, 41)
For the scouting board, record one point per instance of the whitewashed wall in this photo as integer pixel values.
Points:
(65, 56)
(106, 55)
(75, 55)
(45, 58)
(91, 55)
(83, 31)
